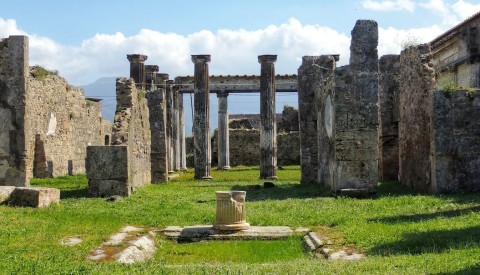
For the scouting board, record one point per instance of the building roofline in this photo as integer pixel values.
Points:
(455, 28)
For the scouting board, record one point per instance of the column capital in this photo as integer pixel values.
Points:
(136, 58)
(222, 94)
(201, 58)
(152, 68)
(268, 58)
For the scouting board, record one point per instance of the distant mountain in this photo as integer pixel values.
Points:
(104, 88)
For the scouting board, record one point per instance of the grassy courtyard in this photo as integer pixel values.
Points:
(400, 231)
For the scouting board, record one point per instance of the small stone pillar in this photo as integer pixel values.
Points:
(183, 146)
(268, 128)
(150, 72)
(223, 138)
(170, 113)
(176, 128)
(137, 69)
(231, 213)
(201, 127)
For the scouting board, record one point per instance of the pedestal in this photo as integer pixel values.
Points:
(231, 213)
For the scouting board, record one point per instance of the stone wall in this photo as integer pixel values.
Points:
(388, 116)
(455, 143)
(132, 128)
(45, 123)
(417, 81)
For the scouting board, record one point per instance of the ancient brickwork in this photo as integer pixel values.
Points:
(388, 115)
(455, 141)
(417, 81)
(46, 124)
(132, 128)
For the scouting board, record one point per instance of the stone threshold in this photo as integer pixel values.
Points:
(206, 232)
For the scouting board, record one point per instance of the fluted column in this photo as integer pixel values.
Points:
(268, 128)
(223, 137)
(137, 69)
(201, 127)
(150, 72)
(183, 147)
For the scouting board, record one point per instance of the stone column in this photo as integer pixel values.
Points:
(176, 129)
(150, 72)
(231, 213)
(157, 107)
(268, 128)
(223, 138)
(201, 127)
(137, 69)
(170, 114)
(183, 148)
(310, 82)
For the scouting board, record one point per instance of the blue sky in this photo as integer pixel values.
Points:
(89, 39)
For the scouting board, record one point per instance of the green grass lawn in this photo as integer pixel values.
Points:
(400, 231)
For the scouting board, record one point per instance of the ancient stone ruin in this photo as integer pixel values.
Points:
(45, 123)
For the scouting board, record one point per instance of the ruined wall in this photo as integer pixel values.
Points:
(60, 124)
(417, 81)
(455, 143)
(388, 116)
(46, 124)
(132, 128)
(355, 123)
(13, 73)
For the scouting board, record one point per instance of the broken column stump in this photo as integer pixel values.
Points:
(231, 213)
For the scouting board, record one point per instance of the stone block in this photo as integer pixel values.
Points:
(107, 188)
(34, 196)
(107, 162)
(5, 192)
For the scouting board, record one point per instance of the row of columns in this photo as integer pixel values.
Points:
(173, 118)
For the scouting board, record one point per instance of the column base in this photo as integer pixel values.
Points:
(223, 168)
(232, 227)
(269, 178)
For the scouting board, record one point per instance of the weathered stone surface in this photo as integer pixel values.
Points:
(223, 140)
(107, 162)
(310, 82)
(389, 116)
(417, 81)
(206, 232)
(268, 129)
(130, 245)
(5, 192)
(355, 123)
(71, 241)
(45, 123)
(137, 69)
(34, 197)
(132, 128)
(312, 241)
(201, 121)
(455, 141)
(157, 115)
(109, 187)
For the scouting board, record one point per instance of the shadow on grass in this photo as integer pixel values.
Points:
(284, 191)
(74, 193)
(474, 269)
(434, 241)
(428, 216)
(394, 189)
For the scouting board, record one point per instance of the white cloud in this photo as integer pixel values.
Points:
(392, 40)
(389, 5)
(465, 9)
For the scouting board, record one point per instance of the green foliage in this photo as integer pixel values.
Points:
(401, 231)
(40, 73)
(140, 95)
(410, 41)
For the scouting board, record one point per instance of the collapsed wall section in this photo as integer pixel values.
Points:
(388, 116)
(132, 128)
(417, 82)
